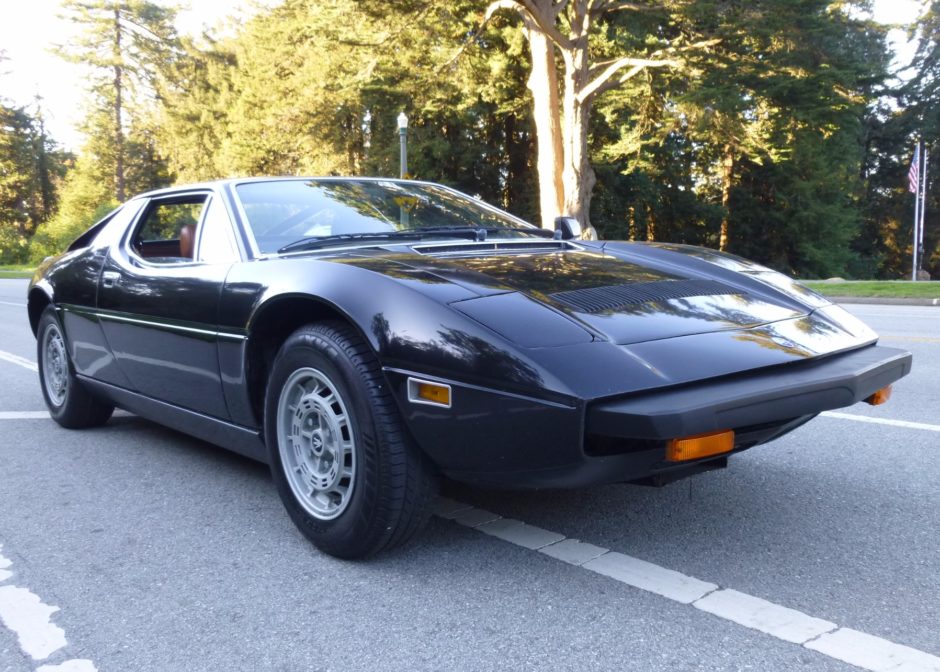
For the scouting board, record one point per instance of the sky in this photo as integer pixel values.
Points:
(31, 27)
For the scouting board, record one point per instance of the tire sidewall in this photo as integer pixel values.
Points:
(47, 321)
(315, 349)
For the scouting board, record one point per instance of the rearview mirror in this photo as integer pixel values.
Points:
(569, 228)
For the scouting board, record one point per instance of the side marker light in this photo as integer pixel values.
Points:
(699, 446)
(426, 392)
(879, 397)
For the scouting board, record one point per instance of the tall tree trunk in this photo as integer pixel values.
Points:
(46, 190)
(727, 175)
(118, 112)
(543, 83)
(577, 176)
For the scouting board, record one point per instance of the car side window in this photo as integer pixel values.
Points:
(167, 233)
(216, 240)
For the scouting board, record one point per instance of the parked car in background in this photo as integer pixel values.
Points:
(365, 336)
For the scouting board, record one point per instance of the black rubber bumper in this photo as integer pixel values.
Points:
(752, 399)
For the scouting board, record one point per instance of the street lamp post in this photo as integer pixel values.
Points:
(403, 137)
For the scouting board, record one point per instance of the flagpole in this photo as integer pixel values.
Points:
(916, 163)
(923, 209)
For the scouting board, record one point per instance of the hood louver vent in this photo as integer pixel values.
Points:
(493, 247)
(598, 299)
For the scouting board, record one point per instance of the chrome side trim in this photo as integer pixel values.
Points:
(156, 324)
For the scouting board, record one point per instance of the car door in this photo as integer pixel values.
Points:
(158, 299)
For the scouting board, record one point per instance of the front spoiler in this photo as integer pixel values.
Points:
(749, 399)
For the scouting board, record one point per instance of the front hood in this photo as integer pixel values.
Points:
(616, 299)
(585, 322)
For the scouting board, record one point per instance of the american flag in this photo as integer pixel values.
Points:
(913, 175)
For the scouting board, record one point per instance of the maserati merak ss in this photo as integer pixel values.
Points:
(365, 336)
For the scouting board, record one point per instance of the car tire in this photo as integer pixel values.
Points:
(70, 404)
(345, 468)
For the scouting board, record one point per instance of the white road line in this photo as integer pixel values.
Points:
(517, 532)
(20, 361)
(44, 415)
(882, 421)
(649, 577)
(4, 565)
(10, 303)
(856, 648)
(873, 653)
(24, 614)
(753, 612)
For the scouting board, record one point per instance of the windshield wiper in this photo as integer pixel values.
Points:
(468, 232)
(314, 242)
(481, 231)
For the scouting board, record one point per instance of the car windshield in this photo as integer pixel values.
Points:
(297, 214)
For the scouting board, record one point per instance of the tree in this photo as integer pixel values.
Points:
(315, 87)
(587, 36)
(124, 42)
(30, 167)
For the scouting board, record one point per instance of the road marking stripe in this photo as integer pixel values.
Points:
(881, 421)
(873, 653)
(24, 415)
(851, 646)
(23, 613)
(10, 303)
(649, 577)
(773, 619)
(4, 564)
(573, 552)
(20, 361)
(475, 517)
(517, 532)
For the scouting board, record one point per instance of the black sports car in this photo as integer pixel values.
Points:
(363, 336)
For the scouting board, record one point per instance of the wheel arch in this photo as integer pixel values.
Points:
(272, 323)
(37, 300)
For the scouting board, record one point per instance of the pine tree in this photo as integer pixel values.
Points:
(124, 42)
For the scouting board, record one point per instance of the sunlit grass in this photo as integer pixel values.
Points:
(878, 288)
(16, 271)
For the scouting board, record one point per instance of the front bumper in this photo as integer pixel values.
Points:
(750, 399)
(625, 439)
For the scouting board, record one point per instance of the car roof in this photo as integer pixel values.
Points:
(215, 184)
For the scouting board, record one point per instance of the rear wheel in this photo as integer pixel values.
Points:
(348, 474)
(69, 403)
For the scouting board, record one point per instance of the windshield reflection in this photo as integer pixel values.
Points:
(281, 212)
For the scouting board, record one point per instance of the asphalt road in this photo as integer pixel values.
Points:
(165, 553)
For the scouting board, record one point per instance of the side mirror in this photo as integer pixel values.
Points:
(569, 228)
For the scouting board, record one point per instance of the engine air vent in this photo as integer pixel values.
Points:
(493, 247)
(598, 299)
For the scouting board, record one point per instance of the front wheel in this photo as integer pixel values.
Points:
(69, 403)
(345, 469)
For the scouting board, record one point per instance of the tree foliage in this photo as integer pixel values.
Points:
(774, 129)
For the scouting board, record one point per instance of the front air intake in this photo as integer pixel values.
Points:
(599, 299)
(493, 247)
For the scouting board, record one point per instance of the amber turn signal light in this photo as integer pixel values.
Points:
(879, 397)
(426, 392)
(439, 394)
(698, 446)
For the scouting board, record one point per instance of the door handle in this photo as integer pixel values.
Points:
(110, 278)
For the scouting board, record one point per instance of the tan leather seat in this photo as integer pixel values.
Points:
(187, 240)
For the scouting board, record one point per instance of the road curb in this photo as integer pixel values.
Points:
(886, 300)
